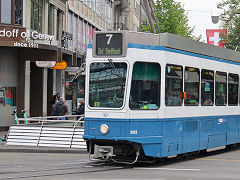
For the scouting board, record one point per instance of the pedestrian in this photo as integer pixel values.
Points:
(61, 109)
(58, 96)
(55, 100)
(80, 110)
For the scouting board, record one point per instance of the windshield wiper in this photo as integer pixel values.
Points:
(119, 74)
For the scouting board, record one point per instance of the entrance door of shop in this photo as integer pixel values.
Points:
(36, 90)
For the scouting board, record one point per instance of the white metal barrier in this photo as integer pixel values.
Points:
(48, 131)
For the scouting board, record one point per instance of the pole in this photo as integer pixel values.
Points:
(146, 4)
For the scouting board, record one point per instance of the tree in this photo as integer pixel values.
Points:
(171, 17)
(231, 22)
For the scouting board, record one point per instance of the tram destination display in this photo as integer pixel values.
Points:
(109, 44)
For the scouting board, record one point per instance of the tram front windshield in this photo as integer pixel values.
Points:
(107, 84)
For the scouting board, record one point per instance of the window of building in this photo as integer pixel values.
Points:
(221, 89)
(145, 86)
(6, 11)
(207, 87)
(191, 81)
(70, 26)
(233, 81)
(7, 96)
(36, 14)
(60, 23)
(173, 85)
(51, 19)
(18, 12)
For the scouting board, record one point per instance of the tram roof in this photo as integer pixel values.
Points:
(182, 43)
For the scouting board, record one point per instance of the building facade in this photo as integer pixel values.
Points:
(129, 15)
(30, 32)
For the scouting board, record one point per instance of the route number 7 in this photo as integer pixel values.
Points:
(109, 37)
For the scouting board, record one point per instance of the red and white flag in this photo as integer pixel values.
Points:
(214, 36)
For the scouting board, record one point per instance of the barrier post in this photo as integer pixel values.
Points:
(25, 116)
(15, 116)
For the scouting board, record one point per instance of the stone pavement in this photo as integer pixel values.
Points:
(34, 149)
(2, 135)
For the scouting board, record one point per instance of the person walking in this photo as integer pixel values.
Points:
(61, 109)
(55, 100)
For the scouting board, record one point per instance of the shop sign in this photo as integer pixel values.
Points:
(46, 64)
(60, 65)
(21, 36)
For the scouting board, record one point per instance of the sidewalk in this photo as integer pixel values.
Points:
(33, 149)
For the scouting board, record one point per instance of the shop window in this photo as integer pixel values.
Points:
(6, 11)
(7, 96)
(18, 12)
(221, 89)
(207, 87)
(173, 85)
(145, 86)
(36, 14)
(233, 81)
(191, 81)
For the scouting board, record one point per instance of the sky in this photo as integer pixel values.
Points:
(199, 15)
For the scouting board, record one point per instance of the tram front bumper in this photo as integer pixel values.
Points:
(103, 151)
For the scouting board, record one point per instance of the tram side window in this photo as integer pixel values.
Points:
(173, 85)
(221, 89)
(145, 86)
(233, 80)
(207, 87)
(191, 81)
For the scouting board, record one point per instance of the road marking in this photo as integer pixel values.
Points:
(169, 169)
(65, 154)
(88, 166)
(80, 162)
(7, 154)
(226, 160)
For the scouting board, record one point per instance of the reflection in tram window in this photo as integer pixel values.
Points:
(192, 86)
(107, 84)
(174, 85)
(145, 86)
(221, 88)
(207, 87)
(233, 80)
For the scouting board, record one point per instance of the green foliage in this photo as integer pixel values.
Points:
(231, 22)
(171, 17)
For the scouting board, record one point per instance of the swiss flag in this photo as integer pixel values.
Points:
(213, 36)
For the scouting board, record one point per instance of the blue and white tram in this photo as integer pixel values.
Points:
(151, 95)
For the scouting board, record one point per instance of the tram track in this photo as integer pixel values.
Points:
(31, 164)
(76, 167)
(70, 170)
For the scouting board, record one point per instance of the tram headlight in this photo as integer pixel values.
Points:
(104, 129)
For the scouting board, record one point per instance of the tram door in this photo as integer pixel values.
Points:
(145, 99)
(191, 104)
